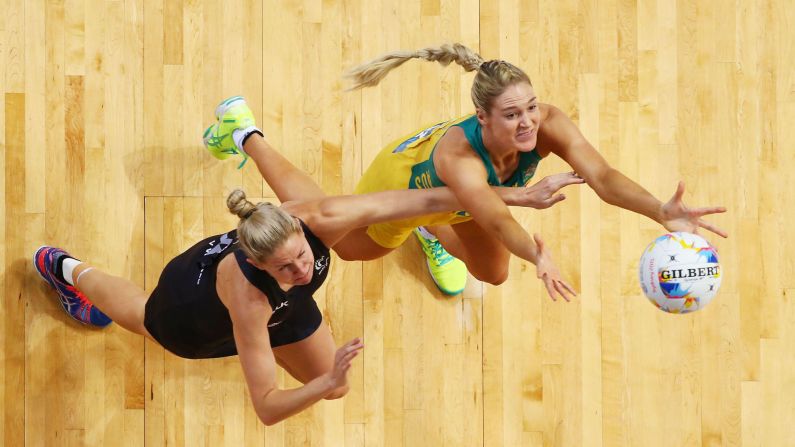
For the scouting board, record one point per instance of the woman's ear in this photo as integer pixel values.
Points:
(481, 116)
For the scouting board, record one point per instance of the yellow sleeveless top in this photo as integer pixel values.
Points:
(407, 163)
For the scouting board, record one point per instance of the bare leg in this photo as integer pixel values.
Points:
(486, 257)
(118, 298)
(310, 357)
(287, 181)
(357, 246)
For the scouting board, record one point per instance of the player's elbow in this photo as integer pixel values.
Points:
(270, 416)
(266, 411)
(269, 421)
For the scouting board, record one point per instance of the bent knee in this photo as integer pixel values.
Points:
(365, 250)
(347, 254)
(493, 277)
(337, 393)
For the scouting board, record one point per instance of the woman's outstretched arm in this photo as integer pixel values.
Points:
(559, 135)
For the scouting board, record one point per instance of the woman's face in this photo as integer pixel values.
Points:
(291, 263)
(514, 118)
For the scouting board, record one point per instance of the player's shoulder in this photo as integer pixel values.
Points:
(242, 299)
(547, 110)
(454, 143)
(454, 158)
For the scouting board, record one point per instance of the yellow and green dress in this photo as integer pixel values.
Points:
(408, 163)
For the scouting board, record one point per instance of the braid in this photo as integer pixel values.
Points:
(456, 52)
(371, 73)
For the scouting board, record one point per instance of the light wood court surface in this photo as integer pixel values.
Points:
(103, 106)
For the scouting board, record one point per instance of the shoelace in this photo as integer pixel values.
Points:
(439, 254)
(216, 142)
(245, 159)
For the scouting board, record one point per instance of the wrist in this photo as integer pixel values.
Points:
(660, 215)
(510, 196)
(534, 256)
(328, 382)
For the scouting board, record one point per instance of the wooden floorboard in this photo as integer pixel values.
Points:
(102, 108)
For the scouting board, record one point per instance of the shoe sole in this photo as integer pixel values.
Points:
(220, 111)
(225, 104)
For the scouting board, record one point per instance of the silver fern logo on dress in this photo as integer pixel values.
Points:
(321, 264)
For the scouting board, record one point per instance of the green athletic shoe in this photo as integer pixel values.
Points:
(232, 114)
(449, 273)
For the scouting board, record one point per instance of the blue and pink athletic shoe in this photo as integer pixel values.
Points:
(72, 300)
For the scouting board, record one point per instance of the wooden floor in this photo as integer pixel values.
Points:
(103, 106)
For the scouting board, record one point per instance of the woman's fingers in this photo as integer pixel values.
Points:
(548, 285)
(708, 210)
(680, 192)
(713, 228)
(561, 290)
(568, 288)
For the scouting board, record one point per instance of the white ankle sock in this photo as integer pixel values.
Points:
(425, 233)
(239, 135)
(68, 267)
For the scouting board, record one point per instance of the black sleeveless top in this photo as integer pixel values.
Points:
(186, 316)
(283, 302)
